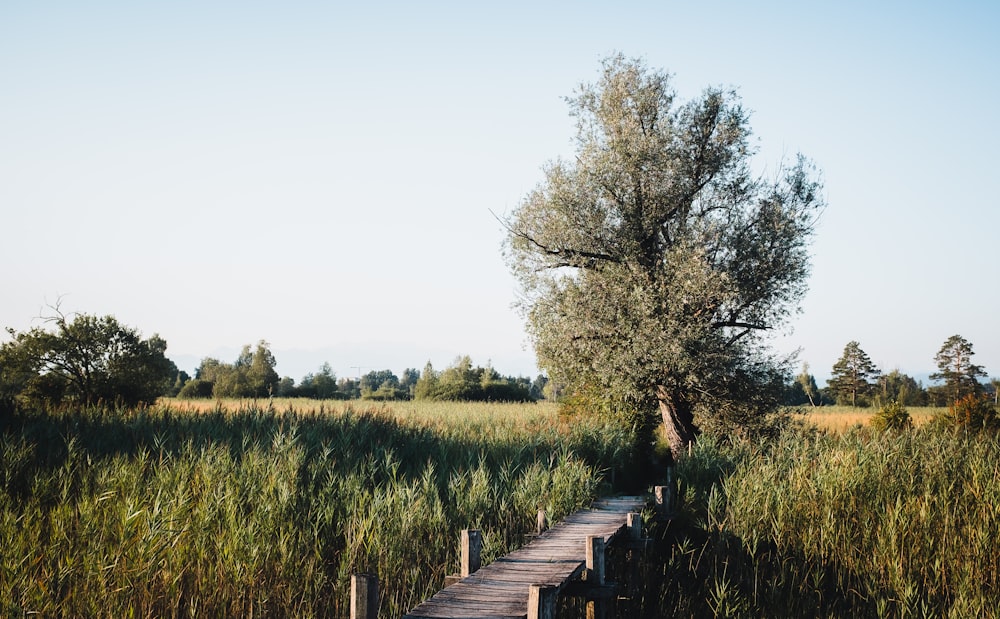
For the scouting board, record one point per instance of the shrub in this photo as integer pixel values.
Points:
(892, 416)
(971, 412)
(196, 388)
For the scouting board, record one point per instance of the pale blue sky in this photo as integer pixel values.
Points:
(322, 175)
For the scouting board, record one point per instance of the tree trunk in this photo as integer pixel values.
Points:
(678, 421)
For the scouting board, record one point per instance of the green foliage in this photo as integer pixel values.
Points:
(892, 416)
(86, 359)
(322, 385)
(851, 374)
(652, 260)
(898, 387)
(382, 386)
(462, 382)
(970, 412)
(267, 513)
(955, 368)
(252, 375)
(196, 388)
(804, 390)
(634, 419)
(861, 524)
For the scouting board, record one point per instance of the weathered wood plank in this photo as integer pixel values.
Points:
(552, 559)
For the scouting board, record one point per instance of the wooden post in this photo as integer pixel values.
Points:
(364, 596)
(472, 547)
(541, 602)
(596, 608)
(541, 524)
(595, 559)
(663, 507)
(666, 496)
(634, 524)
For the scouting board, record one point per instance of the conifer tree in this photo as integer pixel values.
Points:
(852, 373)
(956, 369)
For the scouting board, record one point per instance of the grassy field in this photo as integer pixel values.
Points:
(248, 509)
(265, 509)
(852, 523)
(442, 416)
(841, 418)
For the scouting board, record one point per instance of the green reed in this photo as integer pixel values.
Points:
(861, 523)
(265, 512)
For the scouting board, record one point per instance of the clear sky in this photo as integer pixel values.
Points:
(322, 175)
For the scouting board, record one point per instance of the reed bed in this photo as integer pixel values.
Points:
(855, 523)
(843, 418)
(252, 510)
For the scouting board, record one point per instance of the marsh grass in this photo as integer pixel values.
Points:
(255, 510)
(843, 418)
(857, 523)
(266, 508)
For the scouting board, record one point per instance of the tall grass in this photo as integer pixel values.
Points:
(842, 418)
(857, 523)
(254, 511)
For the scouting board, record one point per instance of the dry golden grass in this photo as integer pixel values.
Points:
(419, 411)
(841, 418)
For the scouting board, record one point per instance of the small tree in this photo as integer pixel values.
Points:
(251, 376)
(324, 383)
(808, 384)
(852, 373)
(261, 375)
(899, 387)
(892, 416)
(427, 384)
(85, 359)
(972, 412)
(960, 375)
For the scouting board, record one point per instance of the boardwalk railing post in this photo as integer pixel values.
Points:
(472, 547)
(595, 559)
(634, 524)
(364, 596)
(666, 496)
(541, 602)
(596, 608)
(663, 507)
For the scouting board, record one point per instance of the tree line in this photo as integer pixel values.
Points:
(856, 381)
(86, 359)
(253, 375)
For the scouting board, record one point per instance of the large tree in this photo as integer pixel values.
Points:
(85, 359)
(955, 367)
(653, 261)
(852, 374)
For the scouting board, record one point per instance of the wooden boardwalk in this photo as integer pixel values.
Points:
(501, 589)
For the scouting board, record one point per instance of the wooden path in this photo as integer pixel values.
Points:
(501, 590)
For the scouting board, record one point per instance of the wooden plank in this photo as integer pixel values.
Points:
(551, 560)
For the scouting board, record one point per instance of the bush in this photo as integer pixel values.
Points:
(892, 416)
(972, 412)
(196, 388)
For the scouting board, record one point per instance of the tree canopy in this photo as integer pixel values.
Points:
(955, 367)
(462, 381)
(85, 359)
(252, 375)
(653, 261)
(852, 374)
